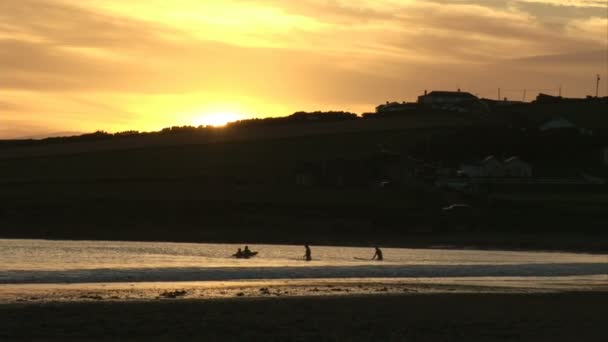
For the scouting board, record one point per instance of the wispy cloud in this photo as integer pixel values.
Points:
(113, 64)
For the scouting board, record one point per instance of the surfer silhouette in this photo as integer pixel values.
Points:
(378, 255)
(307, 254)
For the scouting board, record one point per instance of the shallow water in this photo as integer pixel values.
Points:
(42, 261)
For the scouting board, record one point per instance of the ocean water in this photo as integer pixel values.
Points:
(60, 262)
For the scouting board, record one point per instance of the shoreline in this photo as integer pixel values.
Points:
(533, 242)
(292, 288)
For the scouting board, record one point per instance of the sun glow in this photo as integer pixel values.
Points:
(217, 119)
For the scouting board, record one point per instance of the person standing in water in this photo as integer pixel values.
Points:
(378, 256)
(307, 254)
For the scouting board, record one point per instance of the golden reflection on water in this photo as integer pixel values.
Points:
(82, 255)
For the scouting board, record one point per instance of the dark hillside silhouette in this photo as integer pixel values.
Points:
(322, 177)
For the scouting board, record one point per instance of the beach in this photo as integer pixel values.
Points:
(430, 317)
(458, 309)
(141, 291)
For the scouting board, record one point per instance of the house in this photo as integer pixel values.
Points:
(545, 99)
(441, 98)
(489, 167)
(515, 167)
(492, 167)
(393, 107)
(550, 99)
(556, 123)
(562, 124)
(501, 103)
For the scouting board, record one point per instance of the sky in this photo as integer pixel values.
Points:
(116, 65)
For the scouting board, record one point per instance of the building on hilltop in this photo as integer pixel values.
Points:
(395, 107)
(491, 103)
(446, 98)
(550, 99)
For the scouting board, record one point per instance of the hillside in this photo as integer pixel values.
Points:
(239, 184)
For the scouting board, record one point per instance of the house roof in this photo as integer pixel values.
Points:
(514, 159)
(481, 162)
(453, 94)
(556, 123)
(488, 159)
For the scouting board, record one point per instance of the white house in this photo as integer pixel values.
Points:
(492, 167)
(561, 123)
(489, 167)
(515, 167)
(557, 123)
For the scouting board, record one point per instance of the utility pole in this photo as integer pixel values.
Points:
(499, 94)
(525, 90)
(597, 87)
(560, 91)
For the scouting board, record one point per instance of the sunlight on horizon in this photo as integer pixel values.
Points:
(217, 119)
(146, 65)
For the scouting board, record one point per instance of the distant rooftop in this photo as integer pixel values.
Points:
(454, 94)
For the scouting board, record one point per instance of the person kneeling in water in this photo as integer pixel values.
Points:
(378, 256)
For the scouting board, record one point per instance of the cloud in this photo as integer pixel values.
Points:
(112, 64)
(6, 106)
(570, 3)
(595, 29)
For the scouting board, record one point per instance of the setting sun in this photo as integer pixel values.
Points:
(218, 119)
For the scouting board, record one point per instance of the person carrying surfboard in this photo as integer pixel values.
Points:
(307, 253)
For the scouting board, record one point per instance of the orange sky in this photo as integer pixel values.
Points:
(83, 65)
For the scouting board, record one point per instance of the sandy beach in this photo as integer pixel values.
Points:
(431, 317)
(126, 291)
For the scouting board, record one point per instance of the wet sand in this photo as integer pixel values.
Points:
(209, 290)
(571, 316)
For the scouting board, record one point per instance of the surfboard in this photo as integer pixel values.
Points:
(245, 256)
